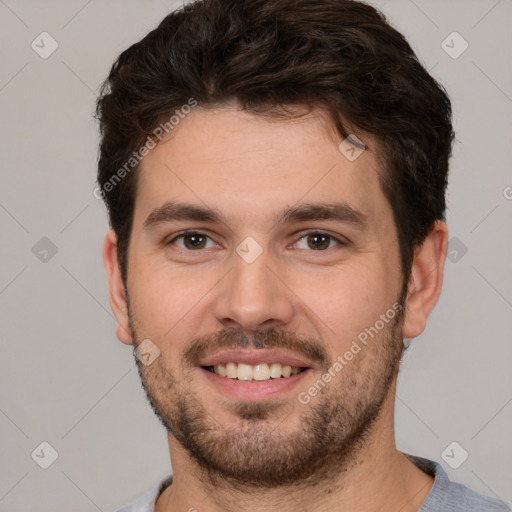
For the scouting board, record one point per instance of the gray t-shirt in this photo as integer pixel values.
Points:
(445, 496)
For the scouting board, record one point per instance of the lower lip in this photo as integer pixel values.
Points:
(253, 390)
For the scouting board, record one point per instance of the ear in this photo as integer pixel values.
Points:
(116, 288)
(426, 280)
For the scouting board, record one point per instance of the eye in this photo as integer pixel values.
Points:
(192, 241)
(318, 241)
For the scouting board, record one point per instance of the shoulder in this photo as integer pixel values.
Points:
(448, 496)
(469, 500)
(146, 502)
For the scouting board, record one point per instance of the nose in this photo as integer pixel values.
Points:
(254, 296)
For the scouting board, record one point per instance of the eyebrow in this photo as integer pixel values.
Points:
(173, 211)
(339, 211)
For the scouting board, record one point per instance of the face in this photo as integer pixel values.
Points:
(260, 251)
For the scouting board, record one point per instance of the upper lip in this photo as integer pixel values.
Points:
(254, 357)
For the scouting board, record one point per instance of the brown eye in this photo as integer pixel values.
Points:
(191, 241)
(318, 241)
(194, 241)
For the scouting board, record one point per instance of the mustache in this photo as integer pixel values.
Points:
(271, 338)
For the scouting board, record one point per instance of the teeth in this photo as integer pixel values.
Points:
(286, 370)
(262, 371)
(275, 370)
(231, 370)
(244, 371)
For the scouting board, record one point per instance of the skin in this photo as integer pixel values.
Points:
(250, 167)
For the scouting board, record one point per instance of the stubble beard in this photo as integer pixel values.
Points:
(258, 450)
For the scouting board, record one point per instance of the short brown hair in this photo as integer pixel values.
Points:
(338, 55)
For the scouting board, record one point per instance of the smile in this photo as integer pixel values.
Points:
(258, 372)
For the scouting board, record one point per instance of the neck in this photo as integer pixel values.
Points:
(379, 479)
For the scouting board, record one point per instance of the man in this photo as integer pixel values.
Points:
(275, 172)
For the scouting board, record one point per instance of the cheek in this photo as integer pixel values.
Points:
(165, 301)
(342, 302)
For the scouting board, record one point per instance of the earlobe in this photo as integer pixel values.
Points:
(426, 280)
(116, 288)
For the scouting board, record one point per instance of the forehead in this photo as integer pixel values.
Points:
(249, 166)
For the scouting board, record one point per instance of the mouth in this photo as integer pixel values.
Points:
(248, 388)
(255, 373)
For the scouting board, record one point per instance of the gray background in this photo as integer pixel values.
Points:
(64, 377)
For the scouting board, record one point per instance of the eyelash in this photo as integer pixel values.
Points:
(340, 241)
